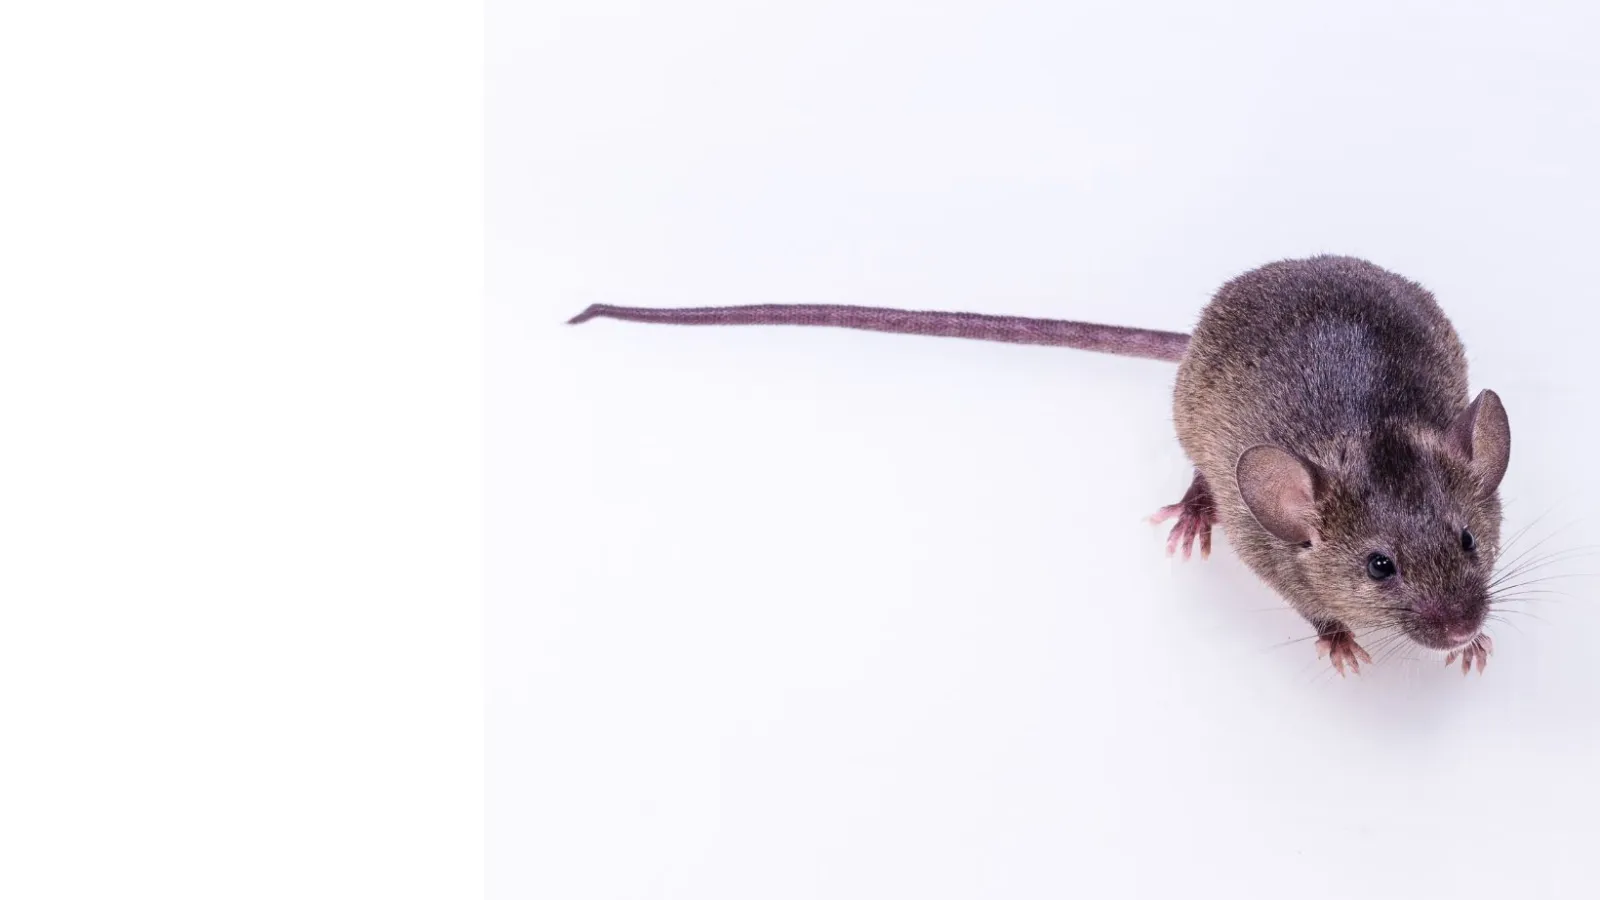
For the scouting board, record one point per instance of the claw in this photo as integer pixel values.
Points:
(1164, 513)
(1196, 513)
(1474, 655)
(1342, 649)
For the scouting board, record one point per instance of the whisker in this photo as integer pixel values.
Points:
(1541, 562)
(1394, 643)
(1529, 555)
(1512, 541)
(1523, 531)
(1509, 577)
(1395, 649)
(1515, 627)
(1529, 597)
(1520, 612)
(1358, 635)
(1525, 591)
(1544, 578)
(1542, 541)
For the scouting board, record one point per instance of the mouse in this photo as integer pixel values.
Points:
(1324, 405)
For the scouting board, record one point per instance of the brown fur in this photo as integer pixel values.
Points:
(1356, 371)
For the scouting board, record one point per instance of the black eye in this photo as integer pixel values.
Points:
(1468, 542)
(1379, 567)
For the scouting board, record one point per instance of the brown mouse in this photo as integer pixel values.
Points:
(1323, 403)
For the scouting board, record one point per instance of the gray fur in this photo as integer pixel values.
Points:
(1357, 372)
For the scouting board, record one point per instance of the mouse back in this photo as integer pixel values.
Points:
(1303, 350)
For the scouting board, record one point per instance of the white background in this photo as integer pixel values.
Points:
(240, 471)
(808, 613)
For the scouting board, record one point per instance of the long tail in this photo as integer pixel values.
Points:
(1163, 345)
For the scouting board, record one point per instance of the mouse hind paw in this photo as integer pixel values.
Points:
(1196, 513)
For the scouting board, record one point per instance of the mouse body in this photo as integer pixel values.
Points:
(1324, 405)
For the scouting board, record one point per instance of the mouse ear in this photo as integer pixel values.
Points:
(1280, 490)
(1482, 435)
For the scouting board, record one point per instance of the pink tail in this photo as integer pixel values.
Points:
(1163, 345)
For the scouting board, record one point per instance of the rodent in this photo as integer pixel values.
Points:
(1324, 405)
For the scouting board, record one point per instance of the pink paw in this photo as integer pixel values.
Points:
(1475, 653)
(1196, 513)
(1343, 651)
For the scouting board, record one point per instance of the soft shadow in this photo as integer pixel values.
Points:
(1405, 691)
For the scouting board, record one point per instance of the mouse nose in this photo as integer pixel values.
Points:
(1447, 623)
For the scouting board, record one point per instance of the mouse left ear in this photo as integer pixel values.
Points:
(1482, 435)
(1280, 490)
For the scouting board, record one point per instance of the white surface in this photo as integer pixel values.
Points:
(810, 613)
(241, 653)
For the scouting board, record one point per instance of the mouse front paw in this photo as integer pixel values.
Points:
(1475, 653)
(1342, 650)
(1196, 513)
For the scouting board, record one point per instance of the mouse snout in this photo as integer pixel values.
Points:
(1446, 627)
(1445, 637)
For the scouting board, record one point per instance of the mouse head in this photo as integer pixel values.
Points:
(1403, 534)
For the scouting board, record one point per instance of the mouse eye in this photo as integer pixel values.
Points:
(1379, 567)
(1468, 542)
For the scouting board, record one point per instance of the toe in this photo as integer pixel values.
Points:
(1165, 513)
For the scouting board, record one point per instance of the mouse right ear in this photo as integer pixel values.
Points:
(1482, 435)
(1280, 490)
